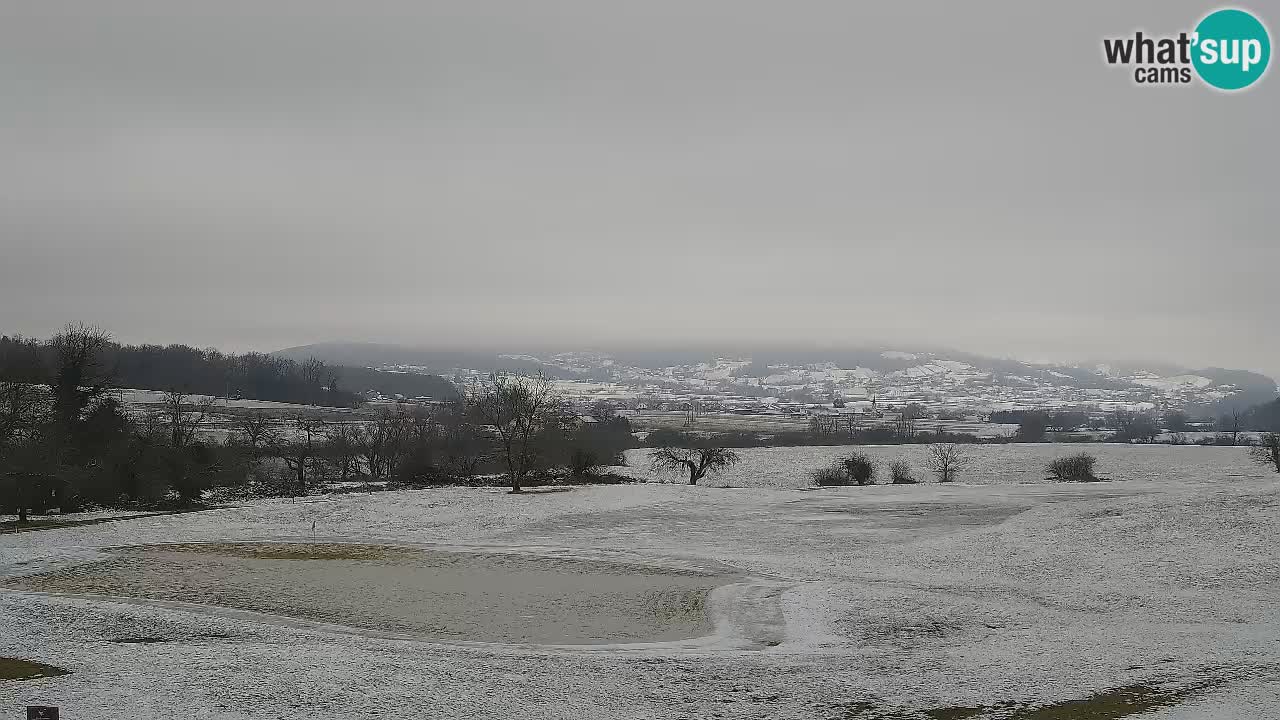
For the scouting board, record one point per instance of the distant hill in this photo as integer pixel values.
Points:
(389, 384)
(1254, 389)
(893, 372)
(253, 376)
(1264, 417)
(383, 355)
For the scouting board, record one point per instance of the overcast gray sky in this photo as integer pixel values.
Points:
(258, 174)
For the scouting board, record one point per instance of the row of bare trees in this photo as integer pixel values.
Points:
(534, 428)
(513, 423)
(408, 443)
(65, 441)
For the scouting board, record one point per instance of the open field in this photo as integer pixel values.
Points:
(1156, 597)
(790, 467)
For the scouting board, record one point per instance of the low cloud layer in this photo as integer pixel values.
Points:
(263, 174)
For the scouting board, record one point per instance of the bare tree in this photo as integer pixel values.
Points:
(459, 440)
(697, 461)
(375, 441)
(252, 430)
(603, 411)
(416, 444)
(852, 423)
(1131, 425)
(183, 416)
(341, 449)
(692, 411)
(946, 461)
(518, 408)
(824, 425)
(300, 451)
(1231, 423)
(82, 375)
(253, 433)
(906, 424)
(395, 429)
(312, 374)
(151, 424)
(1267, 450)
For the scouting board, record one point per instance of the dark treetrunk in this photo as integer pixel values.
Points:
(695, 472)
(513, 470)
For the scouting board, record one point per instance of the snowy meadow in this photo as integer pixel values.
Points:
(998, 596)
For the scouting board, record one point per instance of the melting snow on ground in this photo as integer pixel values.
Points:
(896, 599)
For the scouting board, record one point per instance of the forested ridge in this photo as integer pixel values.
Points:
(252, 376)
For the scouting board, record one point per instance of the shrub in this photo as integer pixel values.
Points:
(860, 468)
(583, 463)
(830, 476)
(855, 469)
(1073, 468)
(900, 473)
(1267, 451)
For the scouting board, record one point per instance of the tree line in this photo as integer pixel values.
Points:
(1145, 426)
(255, 376)
(511, 425)
(250, 376)
(67, 442)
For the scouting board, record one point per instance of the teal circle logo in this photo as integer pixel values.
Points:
(1231, 49)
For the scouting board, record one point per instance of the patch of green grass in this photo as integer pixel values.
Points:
(13, 526)
(16, 669)
(954, 713)
(1112, 704)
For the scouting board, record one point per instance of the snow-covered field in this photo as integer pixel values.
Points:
(790, 467)
(886, 601)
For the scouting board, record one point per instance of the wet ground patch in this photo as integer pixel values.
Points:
(434, 594)
(1114, 704)
(55, 522)
(291, 551)
(18, 669)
